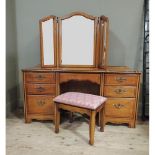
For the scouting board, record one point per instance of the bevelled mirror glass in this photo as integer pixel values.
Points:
(77, 40)
(48, 41)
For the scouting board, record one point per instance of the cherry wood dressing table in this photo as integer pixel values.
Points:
(119, 84)
(74, 54)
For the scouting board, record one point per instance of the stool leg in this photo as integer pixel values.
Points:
(57, 118)
(92, 127)
(102, 120)
(71, 117)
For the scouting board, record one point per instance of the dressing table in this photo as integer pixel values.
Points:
(74, 53)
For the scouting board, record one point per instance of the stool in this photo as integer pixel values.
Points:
(82, 103)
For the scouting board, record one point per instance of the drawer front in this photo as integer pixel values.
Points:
(65, 77)
(40, 77)
(116, 107)
(40, 104)
(41, 89)
(121, 79)
(120, 91)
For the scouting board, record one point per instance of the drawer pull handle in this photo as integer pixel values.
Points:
(40, 89)
(41, 103)
(40, 77)
(119, 91)
(118, 106)
(120, 79)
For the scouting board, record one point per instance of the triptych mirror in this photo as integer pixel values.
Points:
(75, 40)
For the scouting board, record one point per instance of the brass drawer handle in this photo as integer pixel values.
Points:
(41, 103)
(40, 89)
(118, 106)
(120, 79)
(119, 91)
(40, 77)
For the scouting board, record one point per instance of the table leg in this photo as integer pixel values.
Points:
(102, 120)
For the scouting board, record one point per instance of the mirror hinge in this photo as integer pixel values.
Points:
(98, 20)
(57, 19)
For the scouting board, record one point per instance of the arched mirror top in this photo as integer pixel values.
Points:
(78, 14)
(78, 40)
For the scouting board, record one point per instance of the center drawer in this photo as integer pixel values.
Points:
(41, 89)
(65, 77)
(120, 91)
(119, 107)
(40, 104)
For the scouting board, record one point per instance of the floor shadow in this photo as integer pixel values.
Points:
(112, 124)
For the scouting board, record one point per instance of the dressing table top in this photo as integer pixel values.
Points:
(110, 69)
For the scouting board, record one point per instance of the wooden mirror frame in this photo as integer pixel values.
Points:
(104, 41)
(101, 44)
(54, 41)
(96, 45)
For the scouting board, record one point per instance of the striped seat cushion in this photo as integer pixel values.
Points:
(84, 100)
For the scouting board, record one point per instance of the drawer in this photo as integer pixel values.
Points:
(65, 77)
(121, 79)
(40, 104)
(41, 89)
(117, 107)
(120, 91)
(33, 77)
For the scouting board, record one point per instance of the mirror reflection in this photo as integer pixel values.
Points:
(48, 42)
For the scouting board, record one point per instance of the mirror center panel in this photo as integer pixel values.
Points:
(77, 41)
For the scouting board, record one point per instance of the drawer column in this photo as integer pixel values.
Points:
(39, 91)
(122, 91)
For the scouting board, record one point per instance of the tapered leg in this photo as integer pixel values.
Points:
(102, 120)
(92, 127)
(57, 118)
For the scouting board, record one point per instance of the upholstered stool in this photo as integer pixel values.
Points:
(84, 104)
